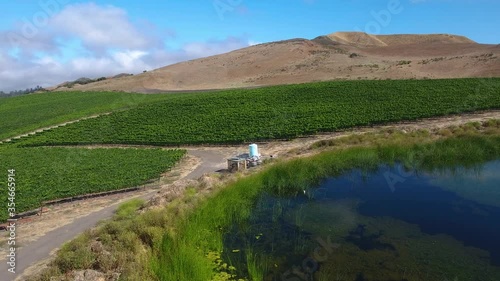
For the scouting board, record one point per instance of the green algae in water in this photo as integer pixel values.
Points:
(362, 226)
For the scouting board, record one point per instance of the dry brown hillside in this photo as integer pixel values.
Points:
(341, 55)
(364, 39)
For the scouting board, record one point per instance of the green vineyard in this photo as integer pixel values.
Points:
(279, 112)
(51, 173)
(22, 114)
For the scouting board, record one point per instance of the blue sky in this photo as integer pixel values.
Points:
(45, 42)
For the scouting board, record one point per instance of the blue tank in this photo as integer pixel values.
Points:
(254, 150)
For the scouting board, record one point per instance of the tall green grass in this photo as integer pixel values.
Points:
(183, 254)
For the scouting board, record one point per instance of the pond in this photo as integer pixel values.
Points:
(384, 224)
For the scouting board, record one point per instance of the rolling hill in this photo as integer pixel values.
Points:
(341, 55)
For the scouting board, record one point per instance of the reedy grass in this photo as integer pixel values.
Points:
(257, 265)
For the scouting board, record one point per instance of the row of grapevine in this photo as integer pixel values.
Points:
(279, 112)
(26, 113)
(51, 173)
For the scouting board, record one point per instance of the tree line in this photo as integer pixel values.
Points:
(21, 92)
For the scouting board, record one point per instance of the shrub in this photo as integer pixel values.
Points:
(76, 254)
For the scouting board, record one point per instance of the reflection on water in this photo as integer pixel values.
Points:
(388, 224)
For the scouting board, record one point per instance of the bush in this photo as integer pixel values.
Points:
(76, 255)
(128, 209)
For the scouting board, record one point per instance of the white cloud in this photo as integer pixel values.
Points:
(128, 59)
(111, 44)
(101, 27)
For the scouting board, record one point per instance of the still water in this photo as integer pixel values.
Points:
(386, 224)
